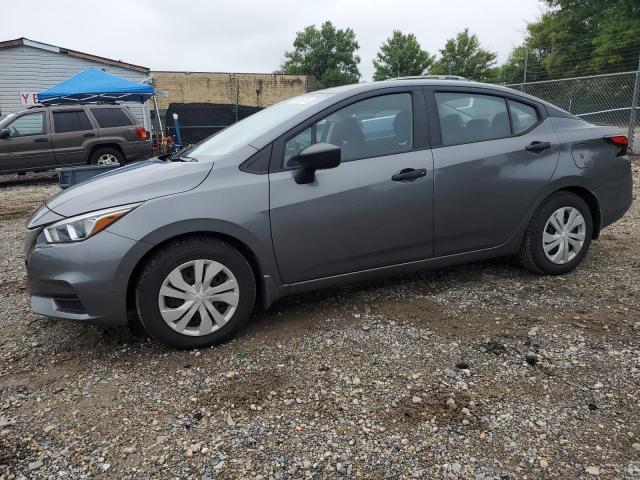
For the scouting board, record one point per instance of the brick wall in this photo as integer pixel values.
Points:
(253, 89)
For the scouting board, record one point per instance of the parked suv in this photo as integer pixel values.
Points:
(41, 138)
(331, 187)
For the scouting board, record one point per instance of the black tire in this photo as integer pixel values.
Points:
(99, 152)
(174, 254)
(532, 255)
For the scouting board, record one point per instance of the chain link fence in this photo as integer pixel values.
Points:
(610, 99)
(199, 120)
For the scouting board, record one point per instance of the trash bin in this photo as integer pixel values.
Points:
(70, 176)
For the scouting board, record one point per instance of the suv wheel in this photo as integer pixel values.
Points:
(195, 293)
(106, 156)
(558, 236)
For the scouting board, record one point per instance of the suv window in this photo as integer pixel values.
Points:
(370, 128)
(523, 116)
(471, 117)
(71, 121)
(29, 124)
(111, 117)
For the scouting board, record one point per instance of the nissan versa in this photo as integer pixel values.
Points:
(331, 187)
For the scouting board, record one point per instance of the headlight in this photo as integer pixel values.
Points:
(76, 229)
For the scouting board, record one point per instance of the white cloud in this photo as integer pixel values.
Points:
(252, 36)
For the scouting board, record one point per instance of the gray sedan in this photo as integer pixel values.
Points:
(328, 188)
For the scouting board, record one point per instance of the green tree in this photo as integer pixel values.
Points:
(329, 54)
(401, 55)
(578, 37)
(463, 56)
(512, 71)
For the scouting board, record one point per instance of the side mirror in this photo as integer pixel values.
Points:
(5, 133)
(319, 156)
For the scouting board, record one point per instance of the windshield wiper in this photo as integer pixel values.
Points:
(182, 158)
(179, 156)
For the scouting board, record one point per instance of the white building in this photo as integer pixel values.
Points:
(28, 67)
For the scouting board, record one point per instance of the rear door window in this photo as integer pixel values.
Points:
(73, 121)
(111, 117)
(523, 116)
(471, 117)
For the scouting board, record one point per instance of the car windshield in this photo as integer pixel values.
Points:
(244, 132)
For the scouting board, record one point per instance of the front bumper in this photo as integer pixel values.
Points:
(85, 281)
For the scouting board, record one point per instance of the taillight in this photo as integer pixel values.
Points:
(619, 141)
(141, 133)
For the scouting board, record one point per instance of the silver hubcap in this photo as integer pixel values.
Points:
(198, 297)
(563, 235)
(108, 159)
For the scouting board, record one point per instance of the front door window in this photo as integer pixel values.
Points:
(29, 124)
(370, 128)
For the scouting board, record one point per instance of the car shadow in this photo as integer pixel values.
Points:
(298, 314)
(309, 311)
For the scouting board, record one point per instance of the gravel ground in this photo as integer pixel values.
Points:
(478, 371)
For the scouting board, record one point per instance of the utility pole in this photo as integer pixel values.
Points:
(634, 106)
(237, 105)
(526, 65)
(450, 65)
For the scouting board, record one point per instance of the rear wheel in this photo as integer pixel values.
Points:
(558, 236)
(195, 293)
(106, 156)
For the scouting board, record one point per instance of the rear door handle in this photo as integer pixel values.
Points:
(537, 147)
(87, 135)
(38, 140)
(408, 174)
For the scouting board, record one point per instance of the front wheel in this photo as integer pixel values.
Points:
(195, 293)
(558, 235)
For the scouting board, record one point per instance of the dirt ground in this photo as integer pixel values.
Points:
(477, 371)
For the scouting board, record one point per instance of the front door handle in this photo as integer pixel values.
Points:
(537, 147)
(87, 135)
(408, 174)
(38, 140)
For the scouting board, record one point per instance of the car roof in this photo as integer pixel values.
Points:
(419, 81)
(349, 90)
(73, 106)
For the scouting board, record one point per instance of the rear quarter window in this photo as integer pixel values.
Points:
(111, 117)
(523, 116)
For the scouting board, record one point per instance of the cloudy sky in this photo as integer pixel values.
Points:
(252, 36)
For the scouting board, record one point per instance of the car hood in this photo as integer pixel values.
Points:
(131, 184)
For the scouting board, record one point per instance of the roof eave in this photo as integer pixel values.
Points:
(74, 53)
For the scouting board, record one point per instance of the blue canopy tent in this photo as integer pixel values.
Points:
(94, 85)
